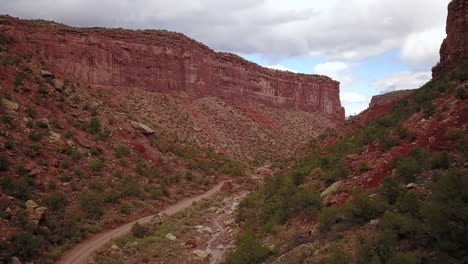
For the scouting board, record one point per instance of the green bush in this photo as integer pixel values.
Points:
(391, 190)
(362, 167)
(403, 258)
(363, 207)
(407, 170)
(125, 208)
(445, 214)
(409, 204)
(4, 163)
(440, 160)
(306, 202)
(327, 218)
(21, 188)
(111, 196)
(27, 245)
(249, 250)
(56, 201)
(96, 165)
(138, 230)
(121, 151)
(91, 203)
(401, 225)
(337, 256)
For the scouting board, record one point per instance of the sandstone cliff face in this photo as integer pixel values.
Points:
(389, 98)
(165, 61)
(455, 46)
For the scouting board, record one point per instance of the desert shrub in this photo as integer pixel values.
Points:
(420, 155)
(249, 250)
(327, 218)
(362, 167)
(56, 124)
(391, 190)
(121, 151)
(461, 92)
(131, 187)
(8, 145)
(91, 203)
(94, 126)
(111, 196)
(440, 160)
(4, 163)
(401, 225)
(337, 256)
(377, 250)
(403, 258)
(27, 245)
(96, 165)
(409, 204)
(125, 208)
(68, 134)
(138, 230)
(35, 135)
(306, 202)
(445, 214)
(407, 170)
(21, 188)
(31, 112)
(363, 207)
(56, 201)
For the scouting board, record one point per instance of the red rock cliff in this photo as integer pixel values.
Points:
(165, 61)
(455, 46)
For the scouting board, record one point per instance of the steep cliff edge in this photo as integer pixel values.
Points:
(166, 61)
(455, 46)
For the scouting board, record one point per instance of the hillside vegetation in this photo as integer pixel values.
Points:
(72, 163)
(410, 207)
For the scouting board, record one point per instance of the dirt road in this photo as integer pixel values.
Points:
(80, 253)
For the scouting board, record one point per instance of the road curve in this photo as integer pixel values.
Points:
(80, 253)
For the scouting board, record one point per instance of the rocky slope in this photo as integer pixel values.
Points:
(387, 186)
(217, 100)
(455, 46)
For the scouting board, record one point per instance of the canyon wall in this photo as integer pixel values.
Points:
(455, 46)
(166, 61)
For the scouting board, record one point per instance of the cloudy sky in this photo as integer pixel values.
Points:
(370, 46)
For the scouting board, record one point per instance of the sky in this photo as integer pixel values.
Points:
(369, 46)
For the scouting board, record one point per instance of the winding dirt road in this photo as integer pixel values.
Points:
(80, 253)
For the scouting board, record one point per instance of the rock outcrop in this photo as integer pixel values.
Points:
(455, 46)
(389, 98)
(166, 61)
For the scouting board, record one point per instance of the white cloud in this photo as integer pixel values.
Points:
(333, 30)
(402, 81)
(280, 67)
(353, 97)
(421, 49)
(356, 108)
(336, 70)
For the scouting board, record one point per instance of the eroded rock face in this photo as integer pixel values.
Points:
(165, 61)
(455, 46)
(389, 98)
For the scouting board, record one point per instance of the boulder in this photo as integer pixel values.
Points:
(335, 187)
(202, 253)
(264, 171)
(34, 211)
(58, 84)
(54, 137)
(411, 186)
(146, 130)
(10, 105)
(171, 237)
(229, 222)
(47, 74)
